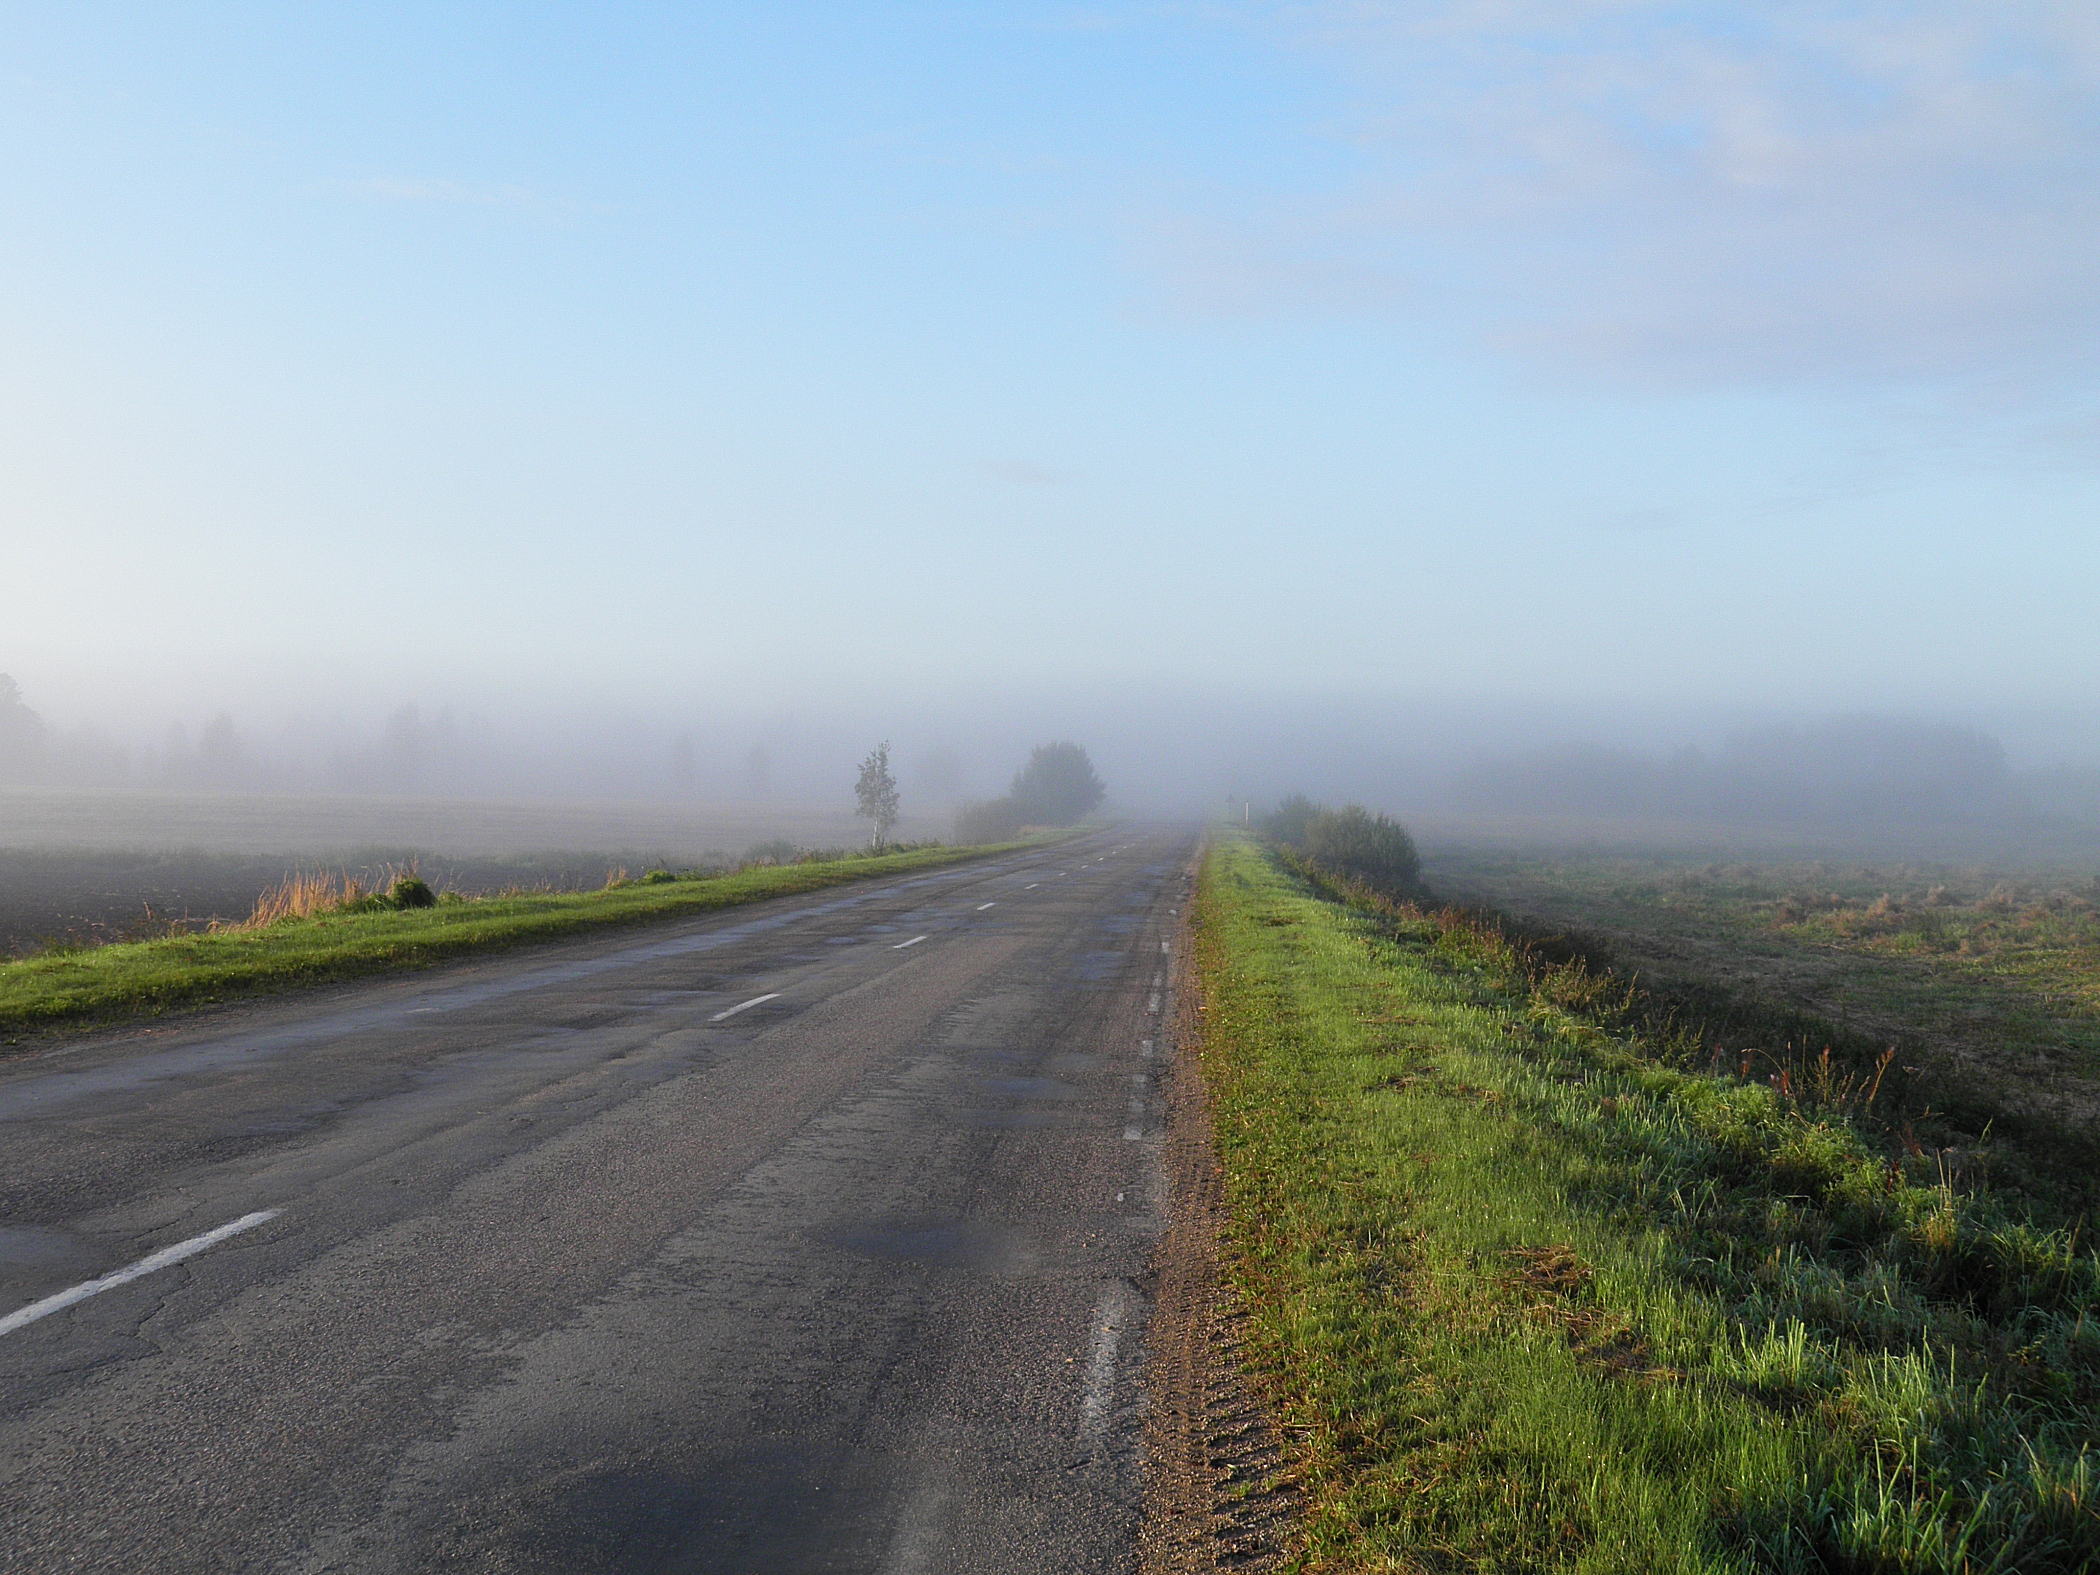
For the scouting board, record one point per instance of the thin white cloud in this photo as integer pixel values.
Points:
(1698, 191)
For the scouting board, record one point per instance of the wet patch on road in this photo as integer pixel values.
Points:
(1028, 1088)
(1021, 1119)
(944, 1244)
(771, 1505)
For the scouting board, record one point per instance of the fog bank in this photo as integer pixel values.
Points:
(1508, 769)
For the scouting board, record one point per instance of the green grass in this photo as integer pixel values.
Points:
(1529, 1293)
(75, 986)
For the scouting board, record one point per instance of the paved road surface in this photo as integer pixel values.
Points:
(569, 1267)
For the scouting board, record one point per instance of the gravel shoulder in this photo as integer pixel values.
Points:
(1215, 1497)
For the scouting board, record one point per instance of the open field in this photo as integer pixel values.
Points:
(58, 899)
(70, 986)
(308, 823)
(1535, 1282)
(86, 868)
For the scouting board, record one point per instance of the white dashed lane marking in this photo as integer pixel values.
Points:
(124, 1276)
(745, 1006)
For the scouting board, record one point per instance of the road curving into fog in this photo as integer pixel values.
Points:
(807, 1236)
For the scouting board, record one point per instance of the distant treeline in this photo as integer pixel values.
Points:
(1347, 841)
(1850, 774)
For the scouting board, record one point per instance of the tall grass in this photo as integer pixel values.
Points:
(1534, 1291)
(303, 896)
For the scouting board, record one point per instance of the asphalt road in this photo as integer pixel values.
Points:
(568, 1266)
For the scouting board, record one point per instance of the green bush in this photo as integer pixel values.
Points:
(412, 891)
(1291, 819)
(1352, 840)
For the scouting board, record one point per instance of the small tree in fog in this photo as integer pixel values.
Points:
(877, 792)
(1057, 786)
(21, 729)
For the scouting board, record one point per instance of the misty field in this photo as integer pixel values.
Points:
(1541, 1274)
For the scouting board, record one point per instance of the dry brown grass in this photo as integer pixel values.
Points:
(301, 896)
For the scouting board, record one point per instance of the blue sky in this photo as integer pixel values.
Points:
(1660, 354)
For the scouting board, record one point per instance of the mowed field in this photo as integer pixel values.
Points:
(88, 868)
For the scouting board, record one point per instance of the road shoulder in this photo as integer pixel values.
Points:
(1215, 1497)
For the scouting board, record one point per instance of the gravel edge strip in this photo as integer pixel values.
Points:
(1215, 1497)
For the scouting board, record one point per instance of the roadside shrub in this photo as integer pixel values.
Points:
(1290, 820)
(657, 878)
(1352, 841)
(412, 891)
(1359, 843)
(993, 820)
(777, 851)
(867, 851)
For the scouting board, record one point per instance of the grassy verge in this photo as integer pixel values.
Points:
(1531, 1293)
(76, 986)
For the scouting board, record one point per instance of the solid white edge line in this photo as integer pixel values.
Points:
(912, 942)
(159, 1260)
(1111, 1311)
(745, 1006)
